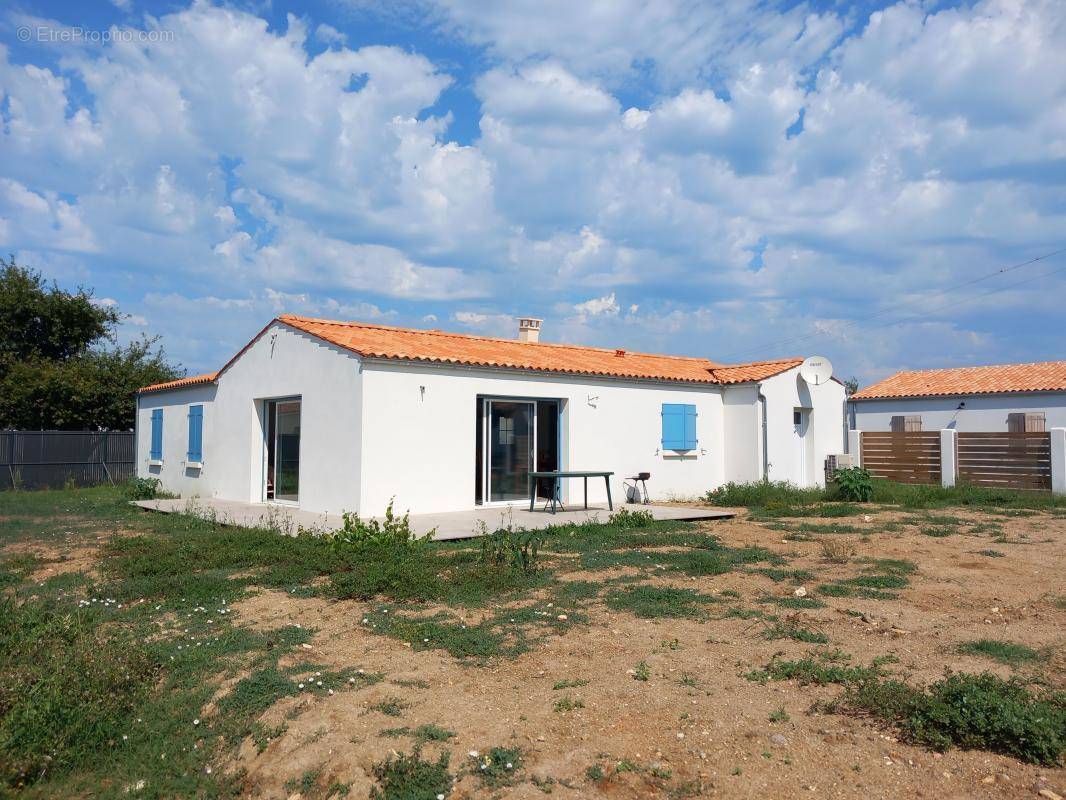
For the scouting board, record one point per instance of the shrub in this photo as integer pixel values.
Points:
(511, 548)
(624, 518)
(768, 494)
(977, 712)
(854, 484)
(141, 488)
(358, 533)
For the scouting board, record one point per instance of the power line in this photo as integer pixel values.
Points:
(972, 298)
(889, 310)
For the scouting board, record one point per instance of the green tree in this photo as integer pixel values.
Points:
(851, 385)
(60, 365)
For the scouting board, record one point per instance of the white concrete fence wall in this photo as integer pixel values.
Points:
(949, 468)
(1058, 460)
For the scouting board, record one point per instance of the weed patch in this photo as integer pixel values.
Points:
(499, 766)
(572, 683)
(68, 689)
(974, 712)
(410, 777)
(1010, 653)
(821, 668)
(653, 602)
(568, 703)
(837, 552)
(790, 629)
(793, 602)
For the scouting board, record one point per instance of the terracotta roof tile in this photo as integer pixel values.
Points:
(1046, 376)
(207, 377)
(380, 341)
(433, 346)
(755, 371)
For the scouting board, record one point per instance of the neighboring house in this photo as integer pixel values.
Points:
(335, 416)
(1007, 397)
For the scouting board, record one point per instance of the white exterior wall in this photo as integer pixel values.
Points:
(825, 433)
(982, 414)
(373, 430)
(281, 363)
(173, 473)
(742, 423)
(420, 448)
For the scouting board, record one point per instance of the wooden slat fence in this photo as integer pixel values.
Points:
(906, 457)
(1005, 460)
(41, 459)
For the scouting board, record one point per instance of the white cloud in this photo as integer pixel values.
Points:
(471, 318)
(42, 219)
(329, 35)
(598, 307)
(673, 41)
(736, 167)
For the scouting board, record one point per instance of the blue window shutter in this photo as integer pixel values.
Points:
(196, 433)
(679, 426)
(673, 426)
(157, 434)
(690, 427)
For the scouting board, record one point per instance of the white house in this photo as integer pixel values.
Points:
(333, 416)
(1003, 398)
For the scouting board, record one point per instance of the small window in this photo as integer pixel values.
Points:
(797, 417)
(157, 435)
(1026, 422)
(196, 434)
(679, 426)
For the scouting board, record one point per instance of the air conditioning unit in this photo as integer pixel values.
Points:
(837, 461)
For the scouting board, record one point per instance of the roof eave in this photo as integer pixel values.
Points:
(992, 393)
(446, 364)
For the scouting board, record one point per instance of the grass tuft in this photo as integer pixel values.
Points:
(410, 777)
(1010, 653)
(977, 712)
(654, 602)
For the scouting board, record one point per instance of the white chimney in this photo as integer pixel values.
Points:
(529, 329)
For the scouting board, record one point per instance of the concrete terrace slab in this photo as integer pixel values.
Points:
(447, 525)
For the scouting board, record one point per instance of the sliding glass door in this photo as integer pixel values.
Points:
(283, 450)
(511, 448)
(514, 436)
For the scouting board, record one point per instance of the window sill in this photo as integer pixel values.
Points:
(194, 465)
(155, 462)
(680, 454)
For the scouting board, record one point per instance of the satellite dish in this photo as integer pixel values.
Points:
(816, 370)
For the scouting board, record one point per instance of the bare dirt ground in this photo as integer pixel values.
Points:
(696, 726)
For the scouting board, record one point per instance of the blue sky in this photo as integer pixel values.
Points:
(737, 180)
